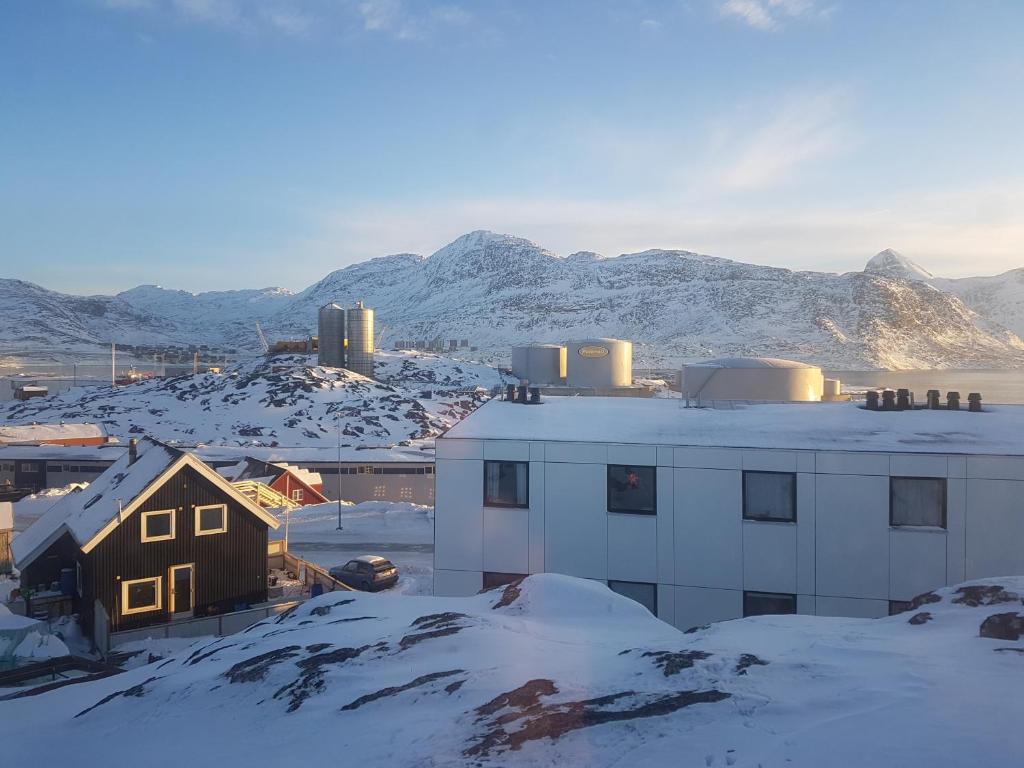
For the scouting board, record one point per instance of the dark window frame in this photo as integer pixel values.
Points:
(498, 579)
(749, 593)
(501, 504)
(608, 492)
(792, 497)
(945, 501)
(654, 609)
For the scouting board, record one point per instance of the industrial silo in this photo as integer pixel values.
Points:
(360, 340)
(599, 363)
(542, 365)
(331, 336)
(753, 378)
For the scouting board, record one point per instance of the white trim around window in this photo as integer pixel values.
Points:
(145, 523)
(222, 528)
(158, 594)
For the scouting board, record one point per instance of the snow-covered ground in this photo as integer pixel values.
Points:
(286, 401)
(559, 671)
(400, 531)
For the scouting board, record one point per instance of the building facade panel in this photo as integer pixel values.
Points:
(917, 465)
(849, 606)
(448, 583)
(708, 458)
(697, 606)
(917, 562)
(806, 544)
(507, 450)
(633, 548)
(576, 453)
(460, 449)
(576, 538)
(846, 463)
(536, 525)
(769, 556)
(852, 536)
(956, 525)
(995, 528)
(645, 455)
(506, 540)
(458, 532)
(708, 538)
(770, 461)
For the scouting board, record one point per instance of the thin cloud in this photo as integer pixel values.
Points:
(767, 14)
(805, 129)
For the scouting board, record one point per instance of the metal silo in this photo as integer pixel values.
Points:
(331, 336)
(360, 340)
(543, 365)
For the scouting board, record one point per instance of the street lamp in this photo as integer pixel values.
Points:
(337, 419)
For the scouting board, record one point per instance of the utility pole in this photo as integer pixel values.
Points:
(337, 419)
(113, 364)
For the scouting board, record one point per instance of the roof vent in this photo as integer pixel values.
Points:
(974, 402)
(133, 450)
(953, 401)
(933, 399)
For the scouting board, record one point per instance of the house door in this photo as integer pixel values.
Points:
(181, 589)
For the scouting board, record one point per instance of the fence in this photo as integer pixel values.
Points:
(219, 625)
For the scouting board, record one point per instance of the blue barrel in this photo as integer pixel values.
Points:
(67, 581)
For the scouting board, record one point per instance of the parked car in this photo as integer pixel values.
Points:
(368, 573)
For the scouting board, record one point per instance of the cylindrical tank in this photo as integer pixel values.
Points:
(599, 363)
(543, 365)
(331, 336)
(753, 378)
(360, 340)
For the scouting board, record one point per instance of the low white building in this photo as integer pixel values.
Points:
(706, 514)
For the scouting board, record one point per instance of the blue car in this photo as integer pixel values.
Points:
(368, 573)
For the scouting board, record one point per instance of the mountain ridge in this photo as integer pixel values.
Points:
(498, 290)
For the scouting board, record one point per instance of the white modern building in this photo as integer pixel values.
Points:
(705, 515)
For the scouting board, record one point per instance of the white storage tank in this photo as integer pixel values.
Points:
(753, 378)
(599, 363)
(331, 336)
(542, 365)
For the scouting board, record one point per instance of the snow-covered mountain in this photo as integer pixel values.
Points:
(285, 401)
(498, 290)
(556, 671)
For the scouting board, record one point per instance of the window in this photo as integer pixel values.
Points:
(506, 484)
(769, 496)
(53, 468)
(78, 577)
(212, 518)
(494, 579)
(631, 489)
(158, 525)
(297, 494)
(917, 501)
(643, 593)
(768, 603)
(141, 595)
(30, 468)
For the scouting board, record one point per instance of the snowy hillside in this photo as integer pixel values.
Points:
(281, 401)
(558, 671)
(497, 290)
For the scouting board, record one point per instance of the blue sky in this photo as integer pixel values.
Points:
(210, 144)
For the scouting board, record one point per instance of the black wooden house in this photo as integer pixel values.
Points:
(158, 536)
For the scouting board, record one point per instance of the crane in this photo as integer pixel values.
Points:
(380, 336)
(263, 339)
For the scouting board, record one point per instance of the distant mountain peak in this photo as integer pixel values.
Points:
(892, 263)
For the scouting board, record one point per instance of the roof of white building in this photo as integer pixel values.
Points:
(749, 362)
(39, 433)
(845, 426)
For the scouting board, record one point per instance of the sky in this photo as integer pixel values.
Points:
(216, 144)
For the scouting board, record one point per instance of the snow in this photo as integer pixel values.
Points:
(285, 402)
(402, 532)
(30, 508)
(84, 514)
(42, 433)
(558, 671)
(40, 645)
(842, 426)
(500, 290)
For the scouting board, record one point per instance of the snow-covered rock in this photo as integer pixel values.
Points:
(561, 671)
(283, 401)
(499, 290)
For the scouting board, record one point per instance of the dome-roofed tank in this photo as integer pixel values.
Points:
(753, 378)
(599, 363)
(331, 336)
(543, 365)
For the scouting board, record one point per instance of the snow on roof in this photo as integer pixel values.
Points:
(38, 433)
(105, 452)
(85, 514)
(749, 362)
(814, 426)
